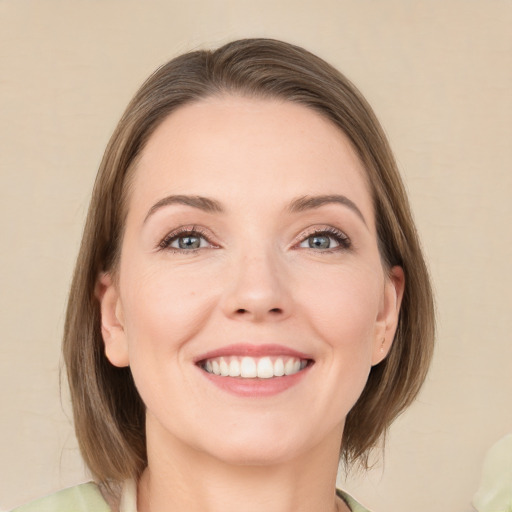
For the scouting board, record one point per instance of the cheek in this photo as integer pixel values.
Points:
(163, 311)
(343, 306)
(347, 323)
(165, 307)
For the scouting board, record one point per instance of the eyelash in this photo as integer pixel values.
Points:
(343, 241)
(165, 244)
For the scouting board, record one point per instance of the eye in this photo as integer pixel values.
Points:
(325, 240)
(191, 241)
(185, 240)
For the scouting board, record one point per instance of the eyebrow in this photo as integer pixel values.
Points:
(202, 203)
(298, 205)
(310, 202)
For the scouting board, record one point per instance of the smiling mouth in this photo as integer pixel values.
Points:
(247, 367)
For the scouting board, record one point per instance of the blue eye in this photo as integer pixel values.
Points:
(185, 240)
(326, 240)
(320, 242)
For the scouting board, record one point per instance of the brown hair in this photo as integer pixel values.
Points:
(108, 412)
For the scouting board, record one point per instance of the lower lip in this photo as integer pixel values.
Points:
(256, 387)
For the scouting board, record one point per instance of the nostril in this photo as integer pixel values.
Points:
(242, 311)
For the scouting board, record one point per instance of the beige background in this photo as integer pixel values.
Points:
(439, 74)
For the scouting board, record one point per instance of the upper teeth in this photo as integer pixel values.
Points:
(251, 367)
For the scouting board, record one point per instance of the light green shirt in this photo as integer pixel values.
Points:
(81, 498)
(351, 502)
(88, 498)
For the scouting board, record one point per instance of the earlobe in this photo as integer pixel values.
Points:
(112, 321)
(389, 314)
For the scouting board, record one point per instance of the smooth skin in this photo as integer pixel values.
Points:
(255, 263)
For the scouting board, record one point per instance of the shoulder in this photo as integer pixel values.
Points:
(81, 498)
(351, 502)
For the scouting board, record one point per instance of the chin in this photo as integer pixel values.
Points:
(256, 455)
(258, 448)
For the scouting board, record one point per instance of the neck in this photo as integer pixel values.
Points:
(181, 479)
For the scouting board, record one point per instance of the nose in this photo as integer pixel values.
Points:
(257, 290)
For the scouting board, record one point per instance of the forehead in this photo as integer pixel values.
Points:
(232, 146)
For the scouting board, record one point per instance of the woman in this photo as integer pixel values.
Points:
(250, 301)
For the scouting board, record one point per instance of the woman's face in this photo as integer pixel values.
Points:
(249, 250)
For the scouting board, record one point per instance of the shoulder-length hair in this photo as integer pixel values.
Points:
(108, 412)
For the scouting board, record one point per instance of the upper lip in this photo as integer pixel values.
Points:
(251, 350)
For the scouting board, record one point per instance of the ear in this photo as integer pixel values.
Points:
(387, 321)
(112, 321)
